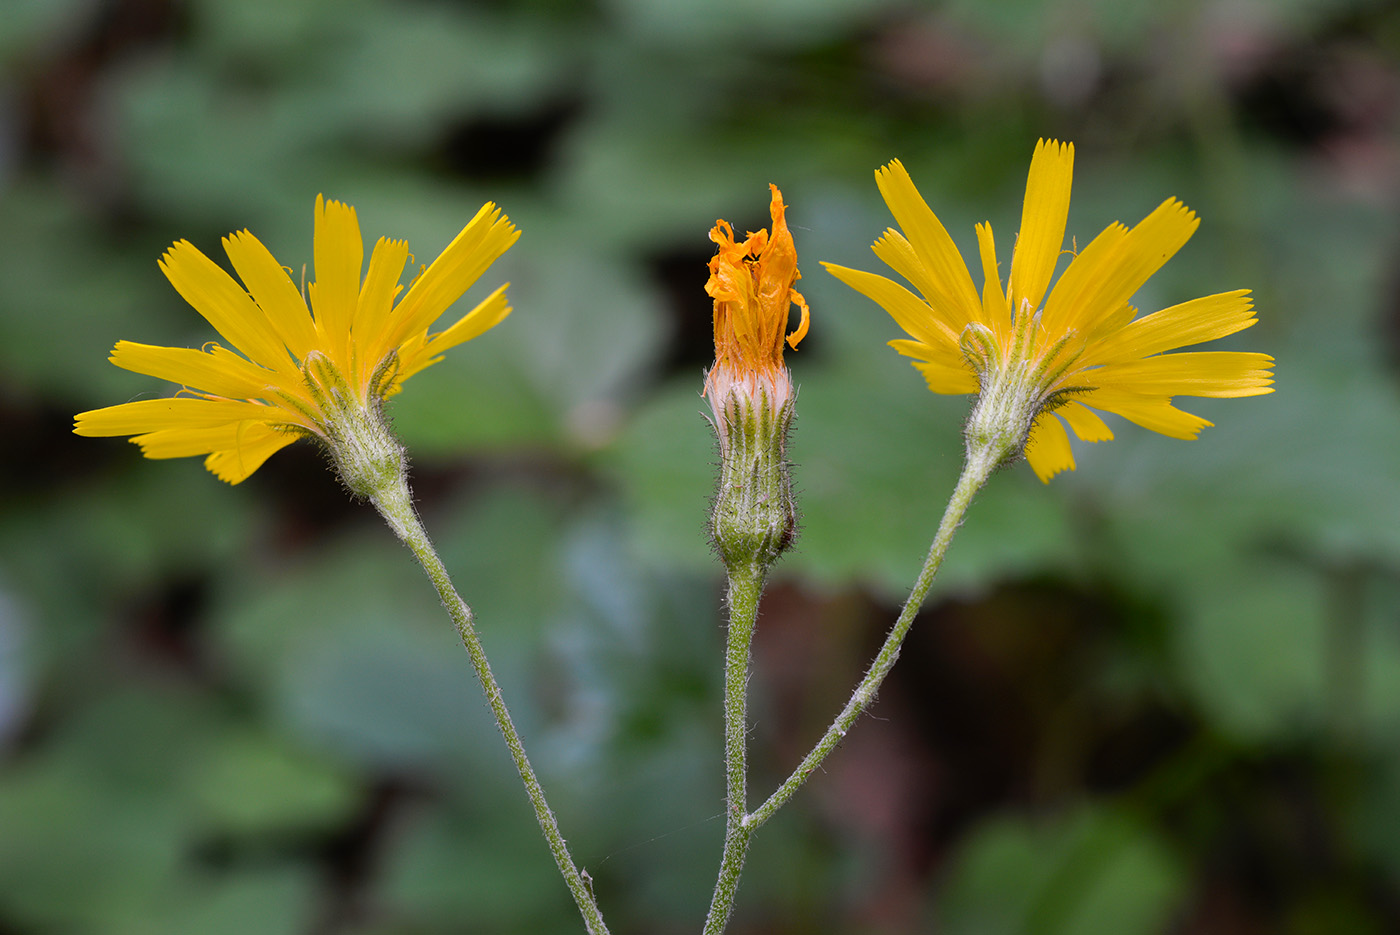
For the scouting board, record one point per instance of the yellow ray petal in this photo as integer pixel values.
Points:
(911, 313)
(223, 303)
(376, 304)
(487, 315)
(1048, 449)
(1140, 253)
(1043, 219)
(1154, 413)
(273, 290)
(1203, 319)
(940, 354)
(477, 246)
(235, 465)
(945, 380)
(899, 255)
(421, 353)
(226, 375)
(956, 296)
(1085, 422)
(340, 254)
(1111, 325)
(152, 415)
(1193, 373)
(1075, 287)
(995, 311)
(188, 442)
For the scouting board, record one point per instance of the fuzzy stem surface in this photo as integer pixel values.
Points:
(395, 504)
(976, 470)
(982, 460)
(745, 588)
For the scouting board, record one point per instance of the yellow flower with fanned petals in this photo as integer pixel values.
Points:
(287, 373)
(1036, 359)
(751, 283)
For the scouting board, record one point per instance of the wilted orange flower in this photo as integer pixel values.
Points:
(751, 283)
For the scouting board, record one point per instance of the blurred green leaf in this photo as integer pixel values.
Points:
(78, 854)
(16, 663)
(200, 148)
(69, 295)
(79, 558)
(558, 370)
(402, 70)
(31, 26)
(1089, 872)
(445, 871)
(474, 400)
(93, 828)
(275, 902)
(778, 23)
(253, 784)
(1254, 649)
(358, 655)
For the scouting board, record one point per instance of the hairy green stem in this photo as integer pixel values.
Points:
(981, 461)
(395, 503)
(745, 587)
(975, 473)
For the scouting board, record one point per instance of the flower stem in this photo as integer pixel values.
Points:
(395, 504)
(981, 461)
(745, 587)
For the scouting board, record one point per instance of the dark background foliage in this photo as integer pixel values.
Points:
(1161, 694)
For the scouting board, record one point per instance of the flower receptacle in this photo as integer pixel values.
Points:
(368, 458)
(754, 519)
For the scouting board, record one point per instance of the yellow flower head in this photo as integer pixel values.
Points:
(287, 372)
(1042, 358)
(751, 283)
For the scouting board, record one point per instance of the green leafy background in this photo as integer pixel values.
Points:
(1161, 694)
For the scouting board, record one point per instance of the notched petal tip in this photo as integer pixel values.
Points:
(890, 238)
(174, 253)
(326, 205)
(1052, 147)
(893, 168)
